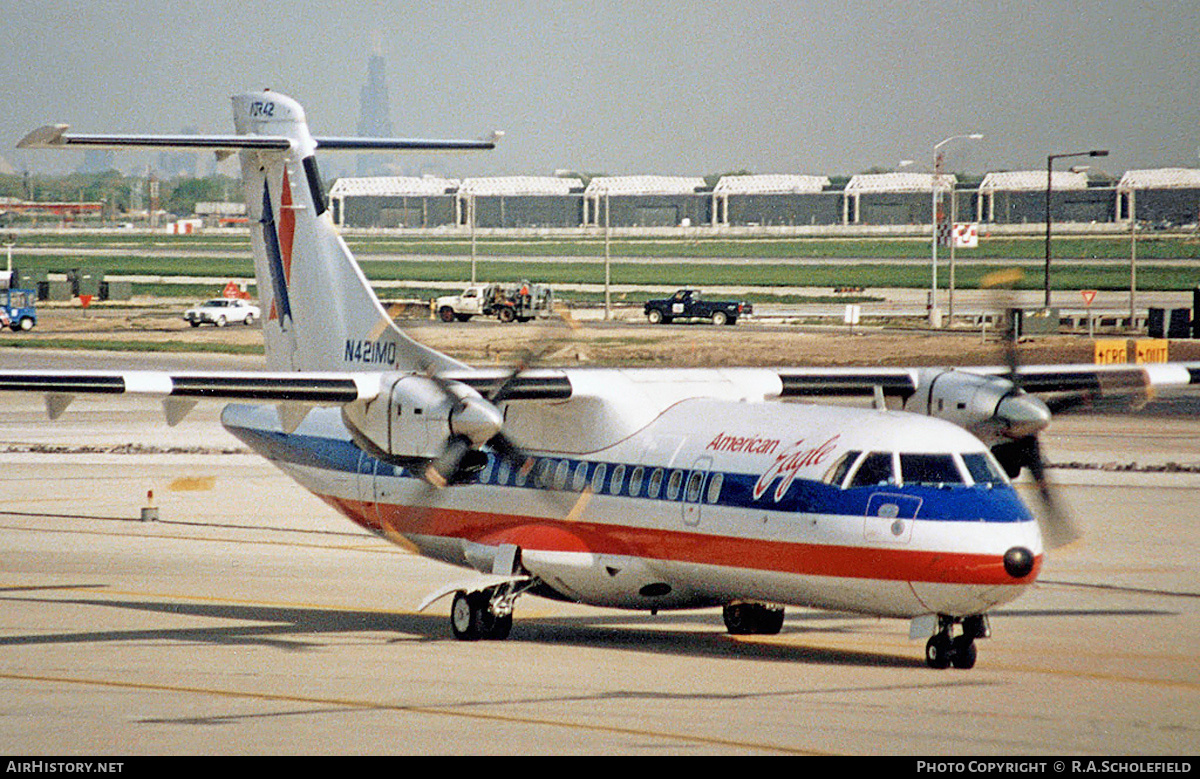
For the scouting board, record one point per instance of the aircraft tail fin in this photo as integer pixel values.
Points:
(319, 311)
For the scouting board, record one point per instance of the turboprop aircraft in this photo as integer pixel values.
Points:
(631, 488)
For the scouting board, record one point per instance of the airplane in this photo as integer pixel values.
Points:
(643, 489)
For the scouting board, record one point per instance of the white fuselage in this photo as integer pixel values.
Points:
(711, 501)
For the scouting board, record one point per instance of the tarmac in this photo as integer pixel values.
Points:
(251, 619)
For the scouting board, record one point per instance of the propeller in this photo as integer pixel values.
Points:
(1025, 416)
(476, 421)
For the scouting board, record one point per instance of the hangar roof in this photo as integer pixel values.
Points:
(393, 186)
(645, 185)
(1161, 178)
(520, 185)
(901, 181)
(1032, 181)
(770, 184)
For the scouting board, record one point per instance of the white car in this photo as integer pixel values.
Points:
(222, 311)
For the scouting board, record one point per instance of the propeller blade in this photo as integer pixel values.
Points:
(441, 471)
(1057, 527)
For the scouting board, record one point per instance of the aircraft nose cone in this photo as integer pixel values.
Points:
(1023, 415)
(1018, 562)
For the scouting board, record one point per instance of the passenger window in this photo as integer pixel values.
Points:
(673, 484)
(714, 487)
(502, 472)
(579, 480)
(929, 469)
(635, 481)
(837, 472)
(485, 475)
(618, 480)
(598, 477)
(983, 469)
(524, 471)
(695, 482)
(560, 474)
(876, 468)
(655, 483)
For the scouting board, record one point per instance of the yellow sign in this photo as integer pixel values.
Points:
(1151, 350)
(1111, 352)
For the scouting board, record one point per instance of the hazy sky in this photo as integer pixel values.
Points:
(636, 87)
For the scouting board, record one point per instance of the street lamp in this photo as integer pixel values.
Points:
(937, 174)
(1050, 158)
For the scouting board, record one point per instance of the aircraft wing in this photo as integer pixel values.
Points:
(848, 382)
(180, 391)
(1064, 387)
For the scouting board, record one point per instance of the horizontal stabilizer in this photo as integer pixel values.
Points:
(55, 136)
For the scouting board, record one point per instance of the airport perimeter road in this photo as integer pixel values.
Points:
(251, 619)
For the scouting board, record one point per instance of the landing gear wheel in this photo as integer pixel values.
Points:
(495, 628)
(472, 618)
(938, 651)
(752, 618)
(963, 652)
(465, 616)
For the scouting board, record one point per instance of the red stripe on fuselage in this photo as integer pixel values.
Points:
(853, 562)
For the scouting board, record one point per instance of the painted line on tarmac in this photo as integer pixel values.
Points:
(382, 549)
(440, 711)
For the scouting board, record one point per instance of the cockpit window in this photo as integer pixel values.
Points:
(876, 468)
(929, 469)
(841, 466)
(983, 469)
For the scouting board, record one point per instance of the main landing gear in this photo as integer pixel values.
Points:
(943, 650)
(743, 618)
(485, 614)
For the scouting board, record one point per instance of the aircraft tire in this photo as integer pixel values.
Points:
(770, 620)
(465, 616)
(938, 651)
(963, 652)
(496, 628)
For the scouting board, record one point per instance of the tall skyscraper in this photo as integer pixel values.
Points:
(374, 115)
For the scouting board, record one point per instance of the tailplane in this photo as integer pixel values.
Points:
(319, 311)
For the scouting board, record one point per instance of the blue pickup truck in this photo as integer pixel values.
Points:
(689, 304)
(18, 309)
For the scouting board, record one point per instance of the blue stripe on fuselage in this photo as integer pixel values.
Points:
(957, 502)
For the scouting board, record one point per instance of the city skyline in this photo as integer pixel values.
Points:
(655, 88)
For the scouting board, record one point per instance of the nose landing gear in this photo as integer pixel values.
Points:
(944, 650)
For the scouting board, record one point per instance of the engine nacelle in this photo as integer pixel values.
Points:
(991, 407)
(414, 416)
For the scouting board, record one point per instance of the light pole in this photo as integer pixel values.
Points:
(1050, 158)
(934, 318)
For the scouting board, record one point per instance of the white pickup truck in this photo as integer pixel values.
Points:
(518, 302)
(468, 303)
